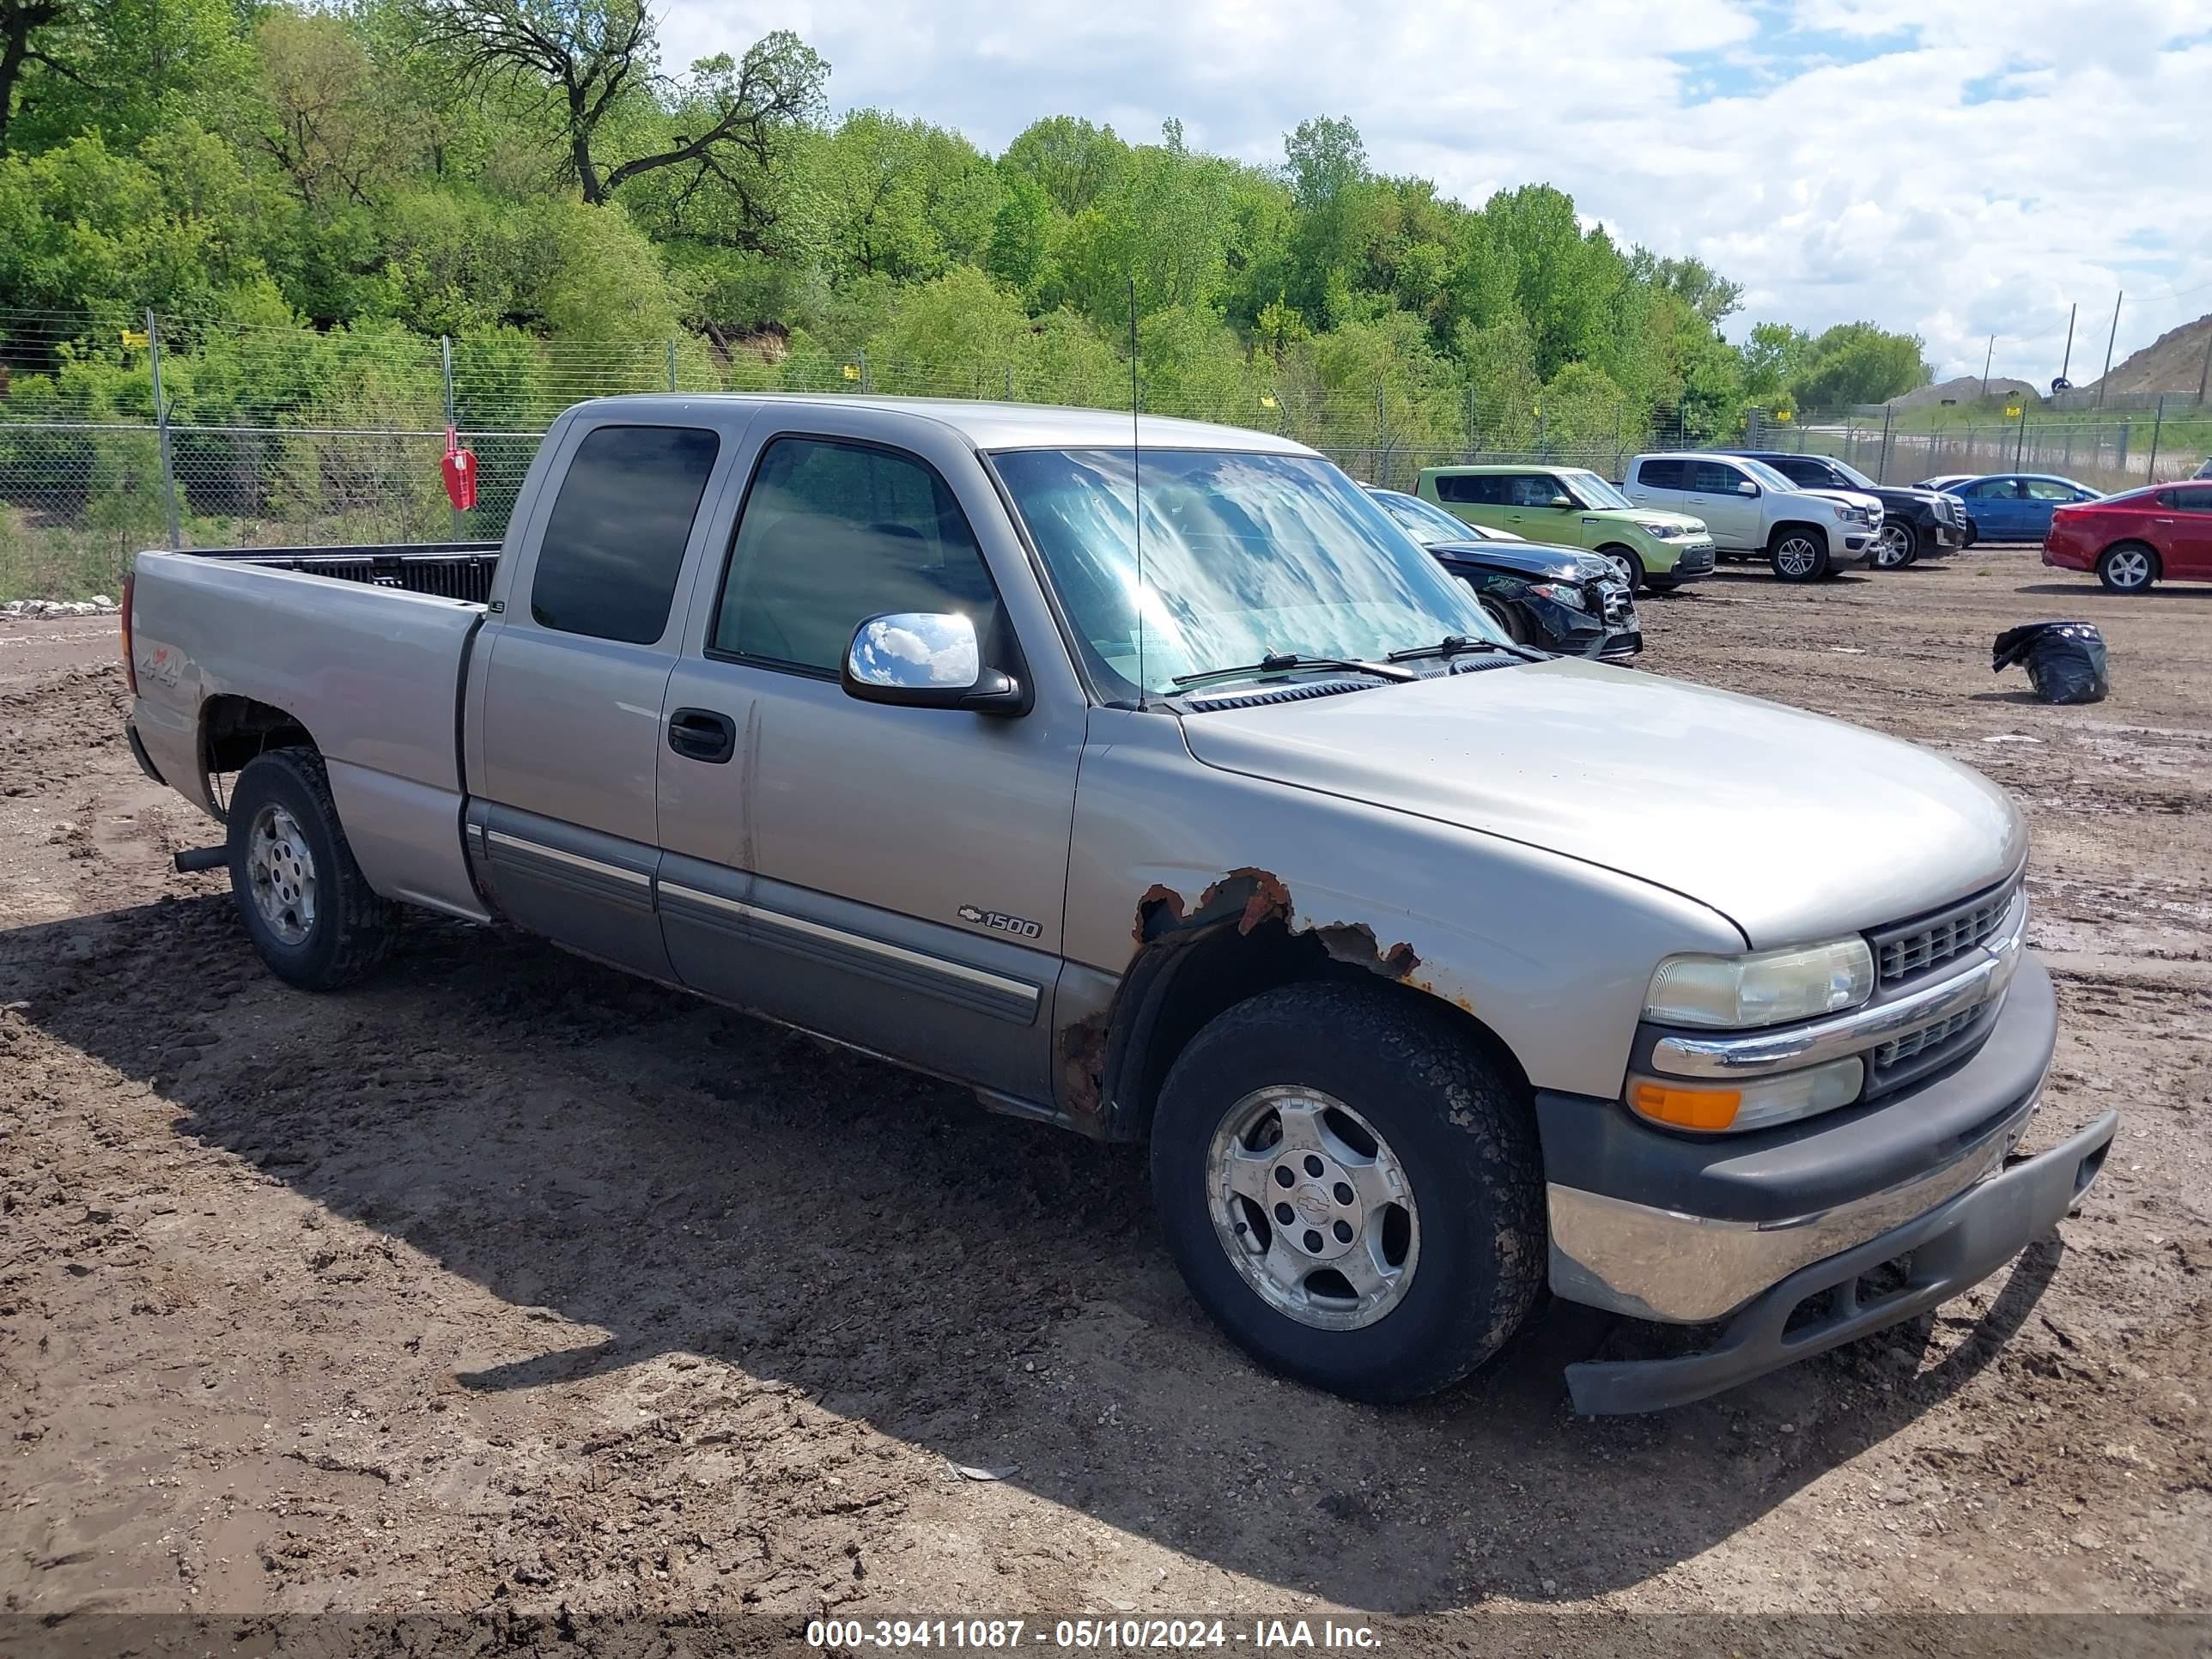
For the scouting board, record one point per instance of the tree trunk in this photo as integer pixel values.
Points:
(13, 50)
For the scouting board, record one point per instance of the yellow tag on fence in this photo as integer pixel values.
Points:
(852, 371)
(2012, 411)
(135, 337)
(1267, 402)
(1784, 416)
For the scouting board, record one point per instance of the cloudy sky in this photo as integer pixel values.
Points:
(1953, 167)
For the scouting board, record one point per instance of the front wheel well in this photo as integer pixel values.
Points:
(234, 730)
(1182, 979)
(1818, 532)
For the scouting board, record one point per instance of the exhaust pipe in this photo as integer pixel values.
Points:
(201, 857)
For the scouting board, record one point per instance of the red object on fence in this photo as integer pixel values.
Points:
(459, 467)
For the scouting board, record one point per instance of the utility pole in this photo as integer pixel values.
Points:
(2204, 374)
(1988, 357)
(2109, 338)
(2150, 472)
(2072, 311)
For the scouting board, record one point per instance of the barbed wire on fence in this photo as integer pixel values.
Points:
(269, 436)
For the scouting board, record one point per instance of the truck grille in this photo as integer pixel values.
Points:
(1914, 947)
(1913, 1044)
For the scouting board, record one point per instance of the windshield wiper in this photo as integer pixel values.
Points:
(1451, 644)
(1280, 662)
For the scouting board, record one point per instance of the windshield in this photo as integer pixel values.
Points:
(1245, 557)
(1766, 474)
(1858, 479)
(1595, 491)
(1428, 524)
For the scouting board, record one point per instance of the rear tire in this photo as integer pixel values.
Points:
(1798, 554)
(309, 909)
(2127, 568)
(1406, 1167)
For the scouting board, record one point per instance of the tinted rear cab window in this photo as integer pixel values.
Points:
(1663, 475)
(614, 543)
(1485, 488)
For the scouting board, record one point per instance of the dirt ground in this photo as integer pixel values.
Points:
(507, 1285)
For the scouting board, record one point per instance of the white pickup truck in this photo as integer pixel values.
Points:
(1752, 510)
(1175, 795)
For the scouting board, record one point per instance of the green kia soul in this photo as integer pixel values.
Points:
(1572, 506)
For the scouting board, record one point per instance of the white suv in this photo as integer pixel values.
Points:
(1752, 508)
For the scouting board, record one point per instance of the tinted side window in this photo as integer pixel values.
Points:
(835, 533)
(1800, 470)
(1663, 475)
(1483, 488)
(1993, 490)
(1716, 477)
(2193, 501)
(1533, 489)
(614, 544)
(2045, 489)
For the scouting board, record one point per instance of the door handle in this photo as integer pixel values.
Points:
(701, 734)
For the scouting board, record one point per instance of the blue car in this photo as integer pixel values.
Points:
(2016, 507)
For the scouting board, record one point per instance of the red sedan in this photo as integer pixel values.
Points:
(2133, 540)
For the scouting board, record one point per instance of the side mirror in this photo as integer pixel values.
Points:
(926, 659)
(1561, 501)
(1746, 487)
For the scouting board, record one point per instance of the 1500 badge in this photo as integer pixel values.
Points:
(999, 921)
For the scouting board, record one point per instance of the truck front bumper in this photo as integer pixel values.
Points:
(1747, 1230)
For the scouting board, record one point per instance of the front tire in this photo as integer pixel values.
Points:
(309, 909)
(1508, 620)
(1625, 561)
(1899, 546)
(1798, 554)
(2127, 568)
(1408, 1171)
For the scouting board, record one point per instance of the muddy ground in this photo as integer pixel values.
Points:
(508, 1284)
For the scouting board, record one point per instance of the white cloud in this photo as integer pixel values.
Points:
(1931, 165)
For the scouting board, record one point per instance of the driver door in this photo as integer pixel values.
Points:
(1732, 516)
(890, 878)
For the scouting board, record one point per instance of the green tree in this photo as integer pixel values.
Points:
(1859, 363)
(1074, 163)
(595, 66)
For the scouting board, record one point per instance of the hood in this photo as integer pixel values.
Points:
(1897, 496)
(1688, 523)
(1859, 498)
(1558, 564)
(1793, 826)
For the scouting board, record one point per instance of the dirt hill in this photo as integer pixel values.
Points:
(1966, 389)
(2172, 362)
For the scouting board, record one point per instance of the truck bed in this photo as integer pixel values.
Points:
(364, 647)
(446, 570)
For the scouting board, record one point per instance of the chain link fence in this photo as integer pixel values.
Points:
(2166, 440)
(136, 431)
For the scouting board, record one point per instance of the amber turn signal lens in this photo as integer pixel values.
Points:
(1686, 1109)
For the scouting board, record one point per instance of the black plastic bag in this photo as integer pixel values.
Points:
(2065, 659)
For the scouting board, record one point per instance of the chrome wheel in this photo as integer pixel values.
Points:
(1895, 547)
(1797, 556)
(1313, 1208)
(1631, 568)
(280, 870)
(2127, 569)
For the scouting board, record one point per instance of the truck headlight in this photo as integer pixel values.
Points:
(1754, 1103)
(1765, 988)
